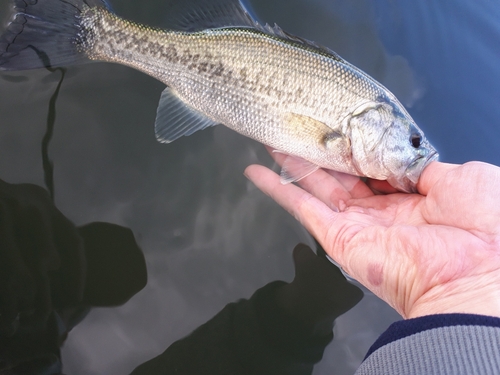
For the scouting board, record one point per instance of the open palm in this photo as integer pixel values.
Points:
(433, 252)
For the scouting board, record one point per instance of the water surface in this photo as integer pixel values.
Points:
(208, 235)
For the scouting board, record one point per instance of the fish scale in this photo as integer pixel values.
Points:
(274, 70)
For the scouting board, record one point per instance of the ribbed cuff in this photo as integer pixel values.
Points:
(405, 328)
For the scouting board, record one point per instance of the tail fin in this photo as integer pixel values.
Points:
(42, 33)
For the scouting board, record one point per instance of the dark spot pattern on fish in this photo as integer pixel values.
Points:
(203, 67)
(169, 51)
(218, 70)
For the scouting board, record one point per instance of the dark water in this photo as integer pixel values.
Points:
(208, 235)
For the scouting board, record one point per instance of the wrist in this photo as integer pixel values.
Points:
(478, 301)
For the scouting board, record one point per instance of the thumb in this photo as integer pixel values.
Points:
(432, 174)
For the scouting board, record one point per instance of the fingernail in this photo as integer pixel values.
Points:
(342, 206)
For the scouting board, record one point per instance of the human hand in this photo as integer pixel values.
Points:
(428, 253)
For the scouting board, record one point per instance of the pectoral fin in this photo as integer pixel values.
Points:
(305, 127)
(295, 168)
(175, 119)
(313, 134)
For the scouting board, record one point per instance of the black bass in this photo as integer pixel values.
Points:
(223, 67)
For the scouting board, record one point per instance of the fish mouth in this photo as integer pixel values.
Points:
(415, 169)
(408, 182)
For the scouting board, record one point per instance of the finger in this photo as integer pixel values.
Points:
(432, 174)
(353, 184)
(331, 229)
(465, 196)
(307, 209)
(356, 240)
(381, 187)
(321, 185)
(326, 188)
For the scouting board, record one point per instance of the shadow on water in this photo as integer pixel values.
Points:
(51, 272)
(208, 237)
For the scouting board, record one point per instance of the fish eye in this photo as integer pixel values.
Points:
(416, 140)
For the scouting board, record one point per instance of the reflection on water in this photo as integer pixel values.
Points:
(52, 273)
(208, 236)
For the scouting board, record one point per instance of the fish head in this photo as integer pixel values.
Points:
(386, 144)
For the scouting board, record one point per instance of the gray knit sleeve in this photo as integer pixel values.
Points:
(452, 350)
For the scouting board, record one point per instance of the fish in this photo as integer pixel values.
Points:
(221, 65)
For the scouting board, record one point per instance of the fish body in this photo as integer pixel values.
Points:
(287, 93)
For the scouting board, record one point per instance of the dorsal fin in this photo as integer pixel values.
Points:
(280, 33)
(197, 15)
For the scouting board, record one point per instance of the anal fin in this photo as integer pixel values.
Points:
(175, 119)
